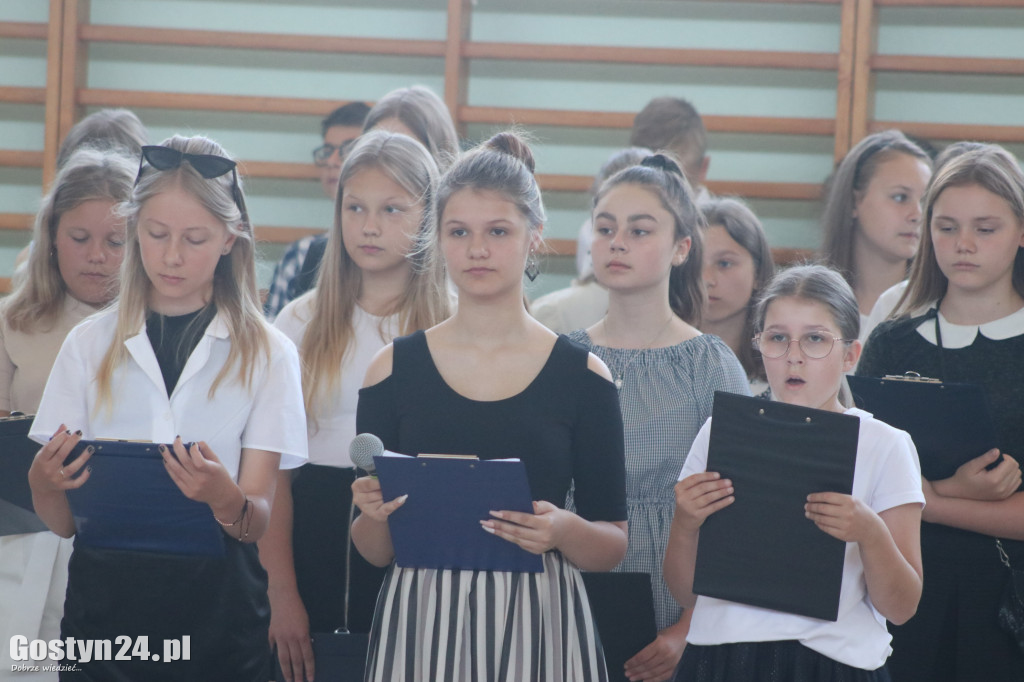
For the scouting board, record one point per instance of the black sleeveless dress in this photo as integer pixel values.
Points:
(450, 624)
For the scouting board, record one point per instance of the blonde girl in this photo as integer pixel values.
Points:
(71, 273)
(184, 357)
(377, 282)
(961, 319)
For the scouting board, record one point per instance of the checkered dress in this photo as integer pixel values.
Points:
(665, 398)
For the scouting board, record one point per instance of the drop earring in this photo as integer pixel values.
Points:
(532, 266)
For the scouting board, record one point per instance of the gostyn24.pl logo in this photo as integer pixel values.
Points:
(72, 651)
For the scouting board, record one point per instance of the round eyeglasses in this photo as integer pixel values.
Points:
(814, 345)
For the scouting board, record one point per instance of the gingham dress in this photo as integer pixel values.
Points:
(665, 398)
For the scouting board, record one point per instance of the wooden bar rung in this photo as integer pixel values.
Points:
(203, 102)
(16, 221)
(958, 65)
(23, 29)
(260, 41)
(21, 95)
(954, 131)
(750, 59)
(18, 158)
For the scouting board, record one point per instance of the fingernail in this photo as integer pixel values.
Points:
(496, 514)
(89, 468)
(78, 432)
(162, 448)
(90, 449)
(488, 529)
(403, 498)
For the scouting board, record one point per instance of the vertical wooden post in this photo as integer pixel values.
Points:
(863, 106)
(51, 114)
(74, 64)
(456, 70)
(845, 78)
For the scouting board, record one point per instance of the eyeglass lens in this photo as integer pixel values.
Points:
(814, 345)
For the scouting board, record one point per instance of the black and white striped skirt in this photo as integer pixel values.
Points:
(485, 625)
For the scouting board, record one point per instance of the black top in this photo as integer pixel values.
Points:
(565, 426)
(174, 338)
(895, 347)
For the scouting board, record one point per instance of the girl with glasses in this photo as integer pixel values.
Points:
(493, 382)
(647, 253)
(808, 321)
(961, 319)
(183, 357)
(378, 281)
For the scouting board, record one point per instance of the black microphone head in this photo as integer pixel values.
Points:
(362, 450)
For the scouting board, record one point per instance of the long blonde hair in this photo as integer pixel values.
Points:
(425, 301)
(234, 280)
(89, 174)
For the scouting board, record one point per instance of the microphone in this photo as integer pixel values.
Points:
(362, 450)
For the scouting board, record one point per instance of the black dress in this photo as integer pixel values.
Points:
(566, 427)
(955, 635)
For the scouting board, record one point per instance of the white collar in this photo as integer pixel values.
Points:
(963, 335)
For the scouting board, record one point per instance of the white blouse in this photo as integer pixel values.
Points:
(333, 426)
(266, 415)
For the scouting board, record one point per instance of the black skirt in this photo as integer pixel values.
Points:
(783, 661)
(322, 500)
(220, 603)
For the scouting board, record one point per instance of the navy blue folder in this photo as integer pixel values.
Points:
(131, 503)
(950, 423)
(16, 453)
(762, 550)
(439, 525)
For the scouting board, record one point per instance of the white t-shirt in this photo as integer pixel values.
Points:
(268, 415)
(333, 426)
(887, 475)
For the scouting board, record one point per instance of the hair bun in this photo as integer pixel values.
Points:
(513, 145)
(664, 162)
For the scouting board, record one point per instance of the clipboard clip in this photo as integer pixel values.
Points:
(912, 376)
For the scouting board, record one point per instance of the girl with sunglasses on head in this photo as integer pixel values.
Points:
(493, 382)
(647, 254)
(872, 216)
(72, 273)
(183, 357)
(377, 283)
(807, 322)
(961, 319)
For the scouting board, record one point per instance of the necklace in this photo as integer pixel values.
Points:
(620, 372)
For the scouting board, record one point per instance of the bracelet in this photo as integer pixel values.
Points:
(241, 514)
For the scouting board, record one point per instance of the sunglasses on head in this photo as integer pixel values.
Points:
(209, 166)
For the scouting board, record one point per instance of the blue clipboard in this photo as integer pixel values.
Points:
(439, 525)
(131, 503)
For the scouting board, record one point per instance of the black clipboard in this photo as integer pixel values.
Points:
(131, 503)
(762, 550)
(623, 609)
(17, 450)
(949, 423)
(439, 525)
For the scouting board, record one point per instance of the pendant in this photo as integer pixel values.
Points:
(618, 382)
